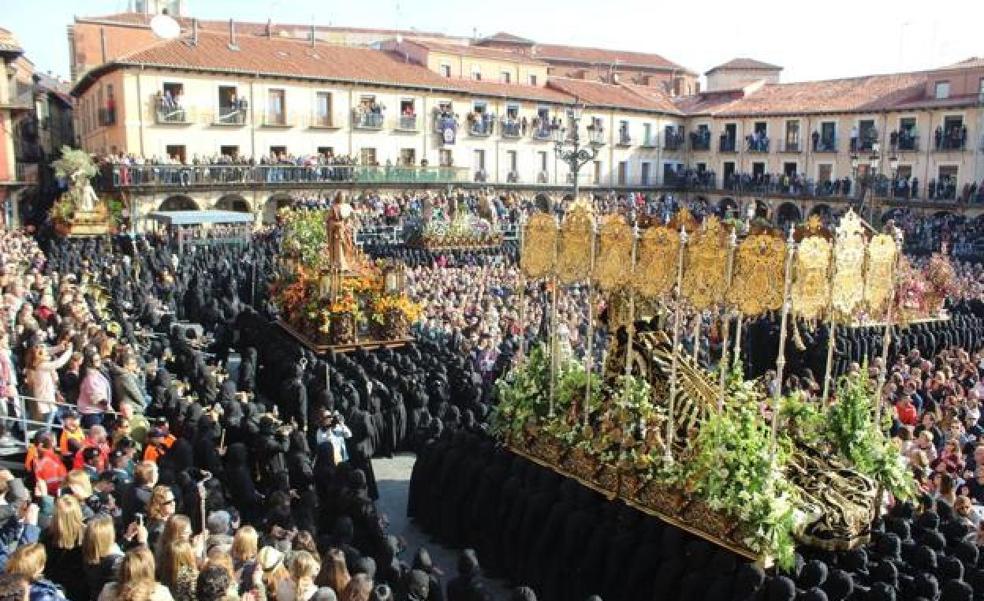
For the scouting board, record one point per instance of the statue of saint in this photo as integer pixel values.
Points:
(340, 240)
(85, 196)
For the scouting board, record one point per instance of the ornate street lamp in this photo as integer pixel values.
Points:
(568, 148)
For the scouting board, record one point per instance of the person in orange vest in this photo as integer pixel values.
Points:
(72, 436)
(97, 439)
(158, 442)
(48, 466)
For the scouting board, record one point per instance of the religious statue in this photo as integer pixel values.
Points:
(77, 168)
(340, 239)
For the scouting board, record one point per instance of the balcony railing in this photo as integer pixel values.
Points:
(726, 144)
(231, 115)
(407, 123)
(511, 128)
(951, 143)
(672, 141)
(107, 116)
(481, 128)
(322, 120)
(865, 143)
(543, 132)
(790, 147)
(624, 139)
(444, 122)
(512, 177)
(128, 176)
(650, 141)
(596, 136)
(700, 143)
(367, 120)
(757, 144)
(176, 115)
(906, 142)
(822, 144)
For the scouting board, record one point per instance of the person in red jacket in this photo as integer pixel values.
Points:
(98, 439)
(48, 466)
(906, 411)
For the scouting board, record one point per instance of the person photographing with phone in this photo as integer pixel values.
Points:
(333, 430)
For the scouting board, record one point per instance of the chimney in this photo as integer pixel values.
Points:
(312, 35)
(194, 32)
(232, 35)
(269, 30)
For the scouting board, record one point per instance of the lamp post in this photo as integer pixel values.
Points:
(893, 165)
(568, 148)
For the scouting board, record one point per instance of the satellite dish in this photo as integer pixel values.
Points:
(164, 27)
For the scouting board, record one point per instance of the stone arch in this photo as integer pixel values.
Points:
(179, 202)
(822, 210)
(233, 202)
(788, 213)
(728, 206)
(761, 209)
(895, 213)
(274, 204)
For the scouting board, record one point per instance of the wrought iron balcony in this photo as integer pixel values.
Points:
(407, 123)
(511, 128)
(790, 147)
(231, 115)
(822, 144)
(367, 120)
(172, 115)
(727, 145)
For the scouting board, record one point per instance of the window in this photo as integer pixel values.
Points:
(597, 173)
(543, 160)
(170, 103)
(445, 70)
(408, 114)
(505, 77)
(176, 152)
(647, 135)
(276, 107)
(278, 150)
(792, 136)
(761, 127)
(229, 151)
(367, 156)
(789, 169)
(623, 172)
(942, 90)
(623, 133)
(728, 170)
(825, 172)
(644, 176)
(232, 108)
(479, 159)
(533, 82)
(758, 169)
(326, 151)
(408, 157)
(827, 141)
(445, 158)
(981, 87)
(322, 109)
(476, 73)
(512, 160)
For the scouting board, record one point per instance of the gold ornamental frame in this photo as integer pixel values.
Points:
(539, 242)
(757, 285)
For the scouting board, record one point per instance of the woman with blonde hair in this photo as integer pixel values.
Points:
(63, 544)
(160, 508)
(334, 572)
(29, 561)
(271, 562)
(243, 552)
(100, 554)
(136, 580)
(180, 573)
(177, 527)
(300, 586)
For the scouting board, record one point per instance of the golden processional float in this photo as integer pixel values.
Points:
(730, 460)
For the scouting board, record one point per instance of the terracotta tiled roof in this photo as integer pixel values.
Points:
(707, 103)
(507, 38)
(280, 57)
(744, 64)
(250, 27)
(579, 54)
(856, 94)
(477, 52)
(655, 95)
(974, 62)
(596, 93)
(9, 43)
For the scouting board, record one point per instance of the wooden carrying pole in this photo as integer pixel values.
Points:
(555, 283)
(831, 325)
